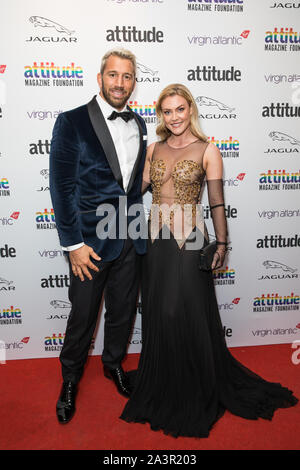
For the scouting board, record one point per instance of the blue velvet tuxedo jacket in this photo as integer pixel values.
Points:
(85, 175)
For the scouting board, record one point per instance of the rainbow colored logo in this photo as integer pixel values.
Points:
(54, 342)
(224, 276)
(50, 70)
(284, 36)
(274, 301)
(45, 216)
(4, 187)
(45, 219)
(10, 315)
(279, 176)
(147, 112)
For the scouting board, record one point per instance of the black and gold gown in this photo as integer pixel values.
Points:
(186, 376)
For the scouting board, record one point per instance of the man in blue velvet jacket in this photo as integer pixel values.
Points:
(96, 165)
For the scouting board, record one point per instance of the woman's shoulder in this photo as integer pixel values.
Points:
(151, 148)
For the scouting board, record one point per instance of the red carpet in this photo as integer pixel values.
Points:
(29, 390)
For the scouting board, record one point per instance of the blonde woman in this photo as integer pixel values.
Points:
(187, 377)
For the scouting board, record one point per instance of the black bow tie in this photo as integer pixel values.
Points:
(126, 115)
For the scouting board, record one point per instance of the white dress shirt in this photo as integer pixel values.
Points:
(125, 136)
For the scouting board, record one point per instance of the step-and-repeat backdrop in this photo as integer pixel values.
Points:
(240, 59)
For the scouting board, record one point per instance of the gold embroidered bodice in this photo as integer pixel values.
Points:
(176, 176)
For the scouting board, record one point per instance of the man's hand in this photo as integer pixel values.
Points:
(80, 261)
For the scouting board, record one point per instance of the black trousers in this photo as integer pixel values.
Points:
(119, 281)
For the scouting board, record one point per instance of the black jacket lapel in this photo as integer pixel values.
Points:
(103, 134)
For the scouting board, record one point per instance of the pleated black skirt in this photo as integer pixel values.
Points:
(186, 376)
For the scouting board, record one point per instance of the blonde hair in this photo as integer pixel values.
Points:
(119, 52)
(178, 89)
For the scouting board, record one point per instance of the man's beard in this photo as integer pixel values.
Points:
(115, 103)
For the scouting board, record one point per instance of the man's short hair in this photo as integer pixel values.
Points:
(118, 52)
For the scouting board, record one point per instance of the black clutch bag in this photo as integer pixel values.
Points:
(206, 256)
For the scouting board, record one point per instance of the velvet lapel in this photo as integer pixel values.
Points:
(138, 159)
(103, 134)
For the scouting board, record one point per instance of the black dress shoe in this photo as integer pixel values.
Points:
(65, 407)
(119, 377)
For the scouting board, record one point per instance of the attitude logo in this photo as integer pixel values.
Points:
(4, 187)
(285, 39)
(4, 221)
(55, 281)
(276, 180)
(278, 271)
(45, 220)
(40, 148)
(219, 110)
(224, 276)
(230, 212)
(218, 40)
(146, 75)
(48, 74)
(278, 241)
(132, 34)
(276, 303)
(65, 35)
(287, 144)
(209, 73)
(229, 147)
(2, 68)
(147, 112)
(54, 342)
(280, 110)
(10, 316)
(7, 251)
(221, 6)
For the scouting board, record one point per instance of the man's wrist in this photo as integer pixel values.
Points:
(72, 247)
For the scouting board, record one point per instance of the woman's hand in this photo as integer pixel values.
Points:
(219, 257)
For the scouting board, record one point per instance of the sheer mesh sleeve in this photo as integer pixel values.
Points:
(215, 193)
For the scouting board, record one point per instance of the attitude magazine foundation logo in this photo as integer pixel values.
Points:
(229, 147)
(277, 180)
(224, 276)
(45, 219)
(282, 40)
(10, 316)
(48, 74)
(276, 303)
(4, 187)
(147, 112)
(221, 6)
